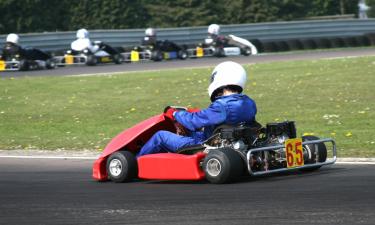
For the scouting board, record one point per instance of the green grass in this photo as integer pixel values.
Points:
(330, 98)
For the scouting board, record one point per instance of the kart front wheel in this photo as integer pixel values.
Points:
(157, 56)
(182, 54)
(117, 59)
(222, 166)
(122, 166)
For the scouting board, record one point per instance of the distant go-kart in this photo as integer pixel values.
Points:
(233, 46)
(163, 50)
(86, 57)
(231, 152)
(20, 63)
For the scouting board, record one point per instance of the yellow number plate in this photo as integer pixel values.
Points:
(69, 59)
(294, 152)
(2, 65)
(200, 52)
(134, 56)
(105, 59)
(166, 55)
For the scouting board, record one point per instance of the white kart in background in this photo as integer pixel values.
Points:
(226, 46)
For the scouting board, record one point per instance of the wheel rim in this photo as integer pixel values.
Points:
(213, 167)
(115, 167)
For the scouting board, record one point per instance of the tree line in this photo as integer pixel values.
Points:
(29, 16)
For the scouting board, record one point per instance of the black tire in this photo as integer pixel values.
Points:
(219, 52)
(24, 65)
(313, 153)
(246, 51)
(50, 64)
(282, 46)
(222, 166)
(62, 61)
(122, 166)
(182, 54)
(157, 56)
(118, 59)
(91, 60)
(294, 44)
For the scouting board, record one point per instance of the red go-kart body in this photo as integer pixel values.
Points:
(230, 152)
(154, 166)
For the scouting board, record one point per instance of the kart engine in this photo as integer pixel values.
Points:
(242, 138)
(278, 132)
(274, 134)
(238, 138)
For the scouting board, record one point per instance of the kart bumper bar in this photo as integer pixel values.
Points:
(74, 60)
(136, 56)
(327, 162)
(13, 65)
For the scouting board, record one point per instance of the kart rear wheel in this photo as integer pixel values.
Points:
(246, 51)
(50, 64)
(122, 166)
(219, 52)
(313, 153)
(24, 65)
(91, 60)
(222, 166)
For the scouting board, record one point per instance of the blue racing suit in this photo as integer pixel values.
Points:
(230, 109)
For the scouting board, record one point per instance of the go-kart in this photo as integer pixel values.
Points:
(86, 57)
(23, 63)
(231, 152)
(226, 46)
(161, 50)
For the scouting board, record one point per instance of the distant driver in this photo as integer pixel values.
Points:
(83, 42)
(12, 49)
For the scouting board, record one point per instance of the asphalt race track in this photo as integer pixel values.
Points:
(61, 191)
(189, 63)
(58, 191)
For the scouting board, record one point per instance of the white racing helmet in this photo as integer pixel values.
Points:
(82, 33)
(224, 74)
(213, 29)
(13, 38)
(150, 32)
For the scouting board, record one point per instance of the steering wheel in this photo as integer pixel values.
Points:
(180, 129)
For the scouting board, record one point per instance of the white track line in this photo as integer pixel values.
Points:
(357, 163)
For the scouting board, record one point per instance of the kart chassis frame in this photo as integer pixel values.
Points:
(263, 149)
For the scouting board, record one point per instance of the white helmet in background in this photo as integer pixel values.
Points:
(213, 29)
(150, 32)
(227, 73)
(82, 33)
(13, 38)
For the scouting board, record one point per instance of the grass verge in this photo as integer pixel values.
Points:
(329, 98)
